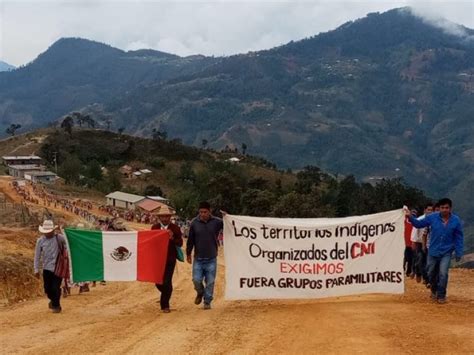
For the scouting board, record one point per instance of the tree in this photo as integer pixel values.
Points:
(186, 173)
(204, 143)
(90, 121)
(71, 169)
(94, 170)
(347, 201)
(108, 122)
(67, 125)
(158, 163)
(120, 130)
(158, 134)
(79, 118)
(12, 129)
(244, 148)
(113, 180)
(309, 177)
(153, 190)
(257, 202)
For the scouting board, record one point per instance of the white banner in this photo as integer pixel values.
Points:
(313, 258)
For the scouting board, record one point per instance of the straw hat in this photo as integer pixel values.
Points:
(118, 224)
(47, 226)
(165, 211)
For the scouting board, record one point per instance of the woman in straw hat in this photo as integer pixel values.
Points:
(176, 240)
(47, 250)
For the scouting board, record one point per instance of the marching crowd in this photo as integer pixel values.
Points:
(203, 239)
(430, 240)
(81, 208)
(40, 196)
(130, 216)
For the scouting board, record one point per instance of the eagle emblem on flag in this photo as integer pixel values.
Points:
(120, 254)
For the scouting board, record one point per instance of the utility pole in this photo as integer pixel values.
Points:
(56, 161)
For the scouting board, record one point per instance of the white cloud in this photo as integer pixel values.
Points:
(28, 28)
(438, 18)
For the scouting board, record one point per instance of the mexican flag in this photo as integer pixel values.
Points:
(117, 256)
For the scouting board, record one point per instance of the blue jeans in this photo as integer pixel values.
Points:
(438, 267)
(205, 269)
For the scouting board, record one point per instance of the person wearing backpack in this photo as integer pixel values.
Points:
(50, 248)
(174, 252)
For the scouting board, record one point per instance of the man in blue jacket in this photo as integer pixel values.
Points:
(446, 236)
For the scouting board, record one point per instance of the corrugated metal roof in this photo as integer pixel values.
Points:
(18, 157)
(26, 167)
(40, 173)
(157, 198)
(149, 205)
(123, 196)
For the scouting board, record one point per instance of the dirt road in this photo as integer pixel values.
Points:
(125, 318)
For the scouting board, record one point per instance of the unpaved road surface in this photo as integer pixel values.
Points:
(125, 318)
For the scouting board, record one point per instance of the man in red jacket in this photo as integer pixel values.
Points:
(176, 240)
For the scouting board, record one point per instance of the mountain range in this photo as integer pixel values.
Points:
(5, 66)
(387, 95)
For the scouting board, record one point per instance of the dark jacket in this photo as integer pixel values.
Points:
(203, 237)
(176, 242)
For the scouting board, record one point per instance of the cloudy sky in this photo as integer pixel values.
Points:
(28, 28)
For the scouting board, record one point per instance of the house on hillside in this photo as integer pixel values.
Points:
(123, 200)
(152, 206)
(45, 177)
(21, 160)
(126, 171)
(18, 171)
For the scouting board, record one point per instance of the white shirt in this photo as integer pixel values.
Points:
(417, 234)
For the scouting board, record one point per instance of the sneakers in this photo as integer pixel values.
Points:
(207, 306)
(412, 275)
(50, 305)
(198, 299)
(166, 310)
(56, 309)
(418, 278)
(441, 300)
(433, 296)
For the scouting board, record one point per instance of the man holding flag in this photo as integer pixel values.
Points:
(176, 241)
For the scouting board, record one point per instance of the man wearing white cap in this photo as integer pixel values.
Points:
(176, 241)
(47, 250)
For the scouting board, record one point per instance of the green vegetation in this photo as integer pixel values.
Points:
(192, 175)
(386, 96)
